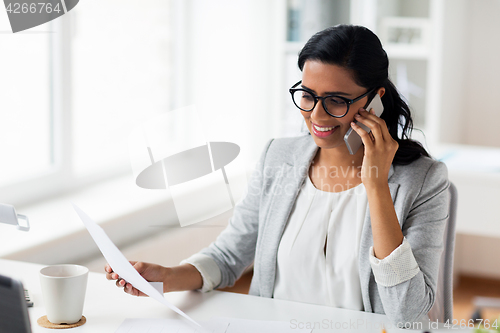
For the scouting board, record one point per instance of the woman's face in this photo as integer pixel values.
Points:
(326, 79)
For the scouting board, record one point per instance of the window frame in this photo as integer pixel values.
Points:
(59, 178)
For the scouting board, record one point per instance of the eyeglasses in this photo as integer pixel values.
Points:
(335, 106)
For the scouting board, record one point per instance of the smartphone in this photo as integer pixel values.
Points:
(351, 138)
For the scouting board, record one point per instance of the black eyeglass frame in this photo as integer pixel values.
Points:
(317, 98)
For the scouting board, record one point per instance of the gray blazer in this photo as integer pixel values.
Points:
(420, 195)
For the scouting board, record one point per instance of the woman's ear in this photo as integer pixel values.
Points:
(381, 91)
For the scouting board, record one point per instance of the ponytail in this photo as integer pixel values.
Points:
(397, 116)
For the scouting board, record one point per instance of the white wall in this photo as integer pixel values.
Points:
(233, 64)
(469, 96)
(477, 256)
(454, 72)
(482, 84)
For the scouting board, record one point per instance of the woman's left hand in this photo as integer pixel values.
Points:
(380, 148)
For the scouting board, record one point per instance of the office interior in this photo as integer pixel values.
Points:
(75, 89)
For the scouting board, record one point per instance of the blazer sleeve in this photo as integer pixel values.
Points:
(423, 228)
(234, 248)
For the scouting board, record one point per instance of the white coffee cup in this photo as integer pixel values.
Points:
(63, 291)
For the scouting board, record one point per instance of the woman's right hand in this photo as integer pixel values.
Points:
(150, 272)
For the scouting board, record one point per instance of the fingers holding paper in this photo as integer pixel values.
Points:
(150, 272)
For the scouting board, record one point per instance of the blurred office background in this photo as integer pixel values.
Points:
(73, 90)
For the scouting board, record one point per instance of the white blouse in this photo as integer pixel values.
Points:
(305, 273)
(306, 270)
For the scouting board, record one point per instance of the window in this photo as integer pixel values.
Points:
(120, 77)
(25, 106)
(73, 89)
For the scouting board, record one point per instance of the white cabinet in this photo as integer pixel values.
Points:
(410, 32)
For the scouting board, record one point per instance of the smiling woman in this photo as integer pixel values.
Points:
(320, 78)
(374, 242)
(358, 64)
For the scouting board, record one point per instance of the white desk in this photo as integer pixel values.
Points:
(106, 306)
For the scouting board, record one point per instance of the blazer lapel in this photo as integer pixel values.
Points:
(287, 188)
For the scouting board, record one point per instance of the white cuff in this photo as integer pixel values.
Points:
(208, 269)
(396, 268)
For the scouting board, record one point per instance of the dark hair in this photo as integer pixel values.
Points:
(359, 50)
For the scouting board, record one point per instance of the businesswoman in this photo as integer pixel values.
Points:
(362, 231)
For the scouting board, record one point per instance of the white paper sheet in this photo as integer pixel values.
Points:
(121, 265)
(215, 325)
(158, 286)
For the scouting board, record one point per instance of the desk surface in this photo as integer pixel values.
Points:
(107, 306)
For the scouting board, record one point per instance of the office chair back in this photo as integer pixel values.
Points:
(442, 310)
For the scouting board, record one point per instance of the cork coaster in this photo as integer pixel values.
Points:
(44, 322)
